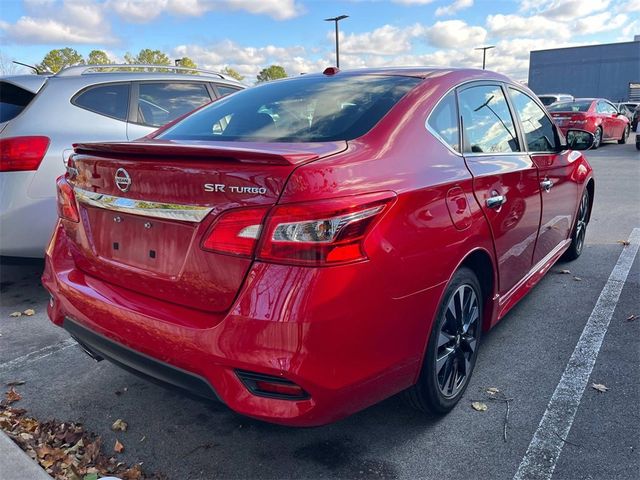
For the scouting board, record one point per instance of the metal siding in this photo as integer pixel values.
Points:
(591, 71)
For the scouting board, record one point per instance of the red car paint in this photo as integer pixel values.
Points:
(350, 334)
(599, 115)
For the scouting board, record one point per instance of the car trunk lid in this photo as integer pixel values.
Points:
(146, 207)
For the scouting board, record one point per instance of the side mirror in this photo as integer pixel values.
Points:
(579, 140)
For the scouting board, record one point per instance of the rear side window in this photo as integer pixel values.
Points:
(109, 100)
(538, 129)
(13, 100)
(161, 102)
(223, 90)
(487, 123)
(443, 121)
(311, 108)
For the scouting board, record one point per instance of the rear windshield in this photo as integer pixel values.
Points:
(304, 109)
(13, 100)
(570, 106)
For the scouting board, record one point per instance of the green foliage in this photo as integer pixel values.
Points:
(186, 62)
(232, 73)
(57, 59)
(272, 72)
(98, 57)
(148, 57)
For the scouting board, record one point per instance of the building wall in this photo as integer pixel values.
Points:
(589, 71)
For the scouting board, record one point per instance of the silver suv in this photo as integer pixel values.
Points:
(41, 116)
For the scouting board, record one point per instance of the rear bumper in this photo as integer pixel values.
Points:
(292, 323)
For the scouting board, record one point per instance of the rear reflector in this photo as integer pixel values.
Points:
(67, 206)
(271, 386)
(236, 232)
(19, 154)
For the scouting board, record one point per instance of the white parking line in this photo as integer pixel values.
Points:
(37, 355)
(544, 450)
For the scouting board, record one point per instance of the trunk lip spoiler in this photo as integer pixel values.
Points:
(169, 211)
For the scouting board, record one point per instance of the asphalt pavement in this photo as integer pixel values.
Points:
(524, 357)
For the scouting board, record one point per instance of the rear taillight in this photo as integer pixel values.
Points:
(319, 233)
(67, 206)
(18, 154)
(236, 232)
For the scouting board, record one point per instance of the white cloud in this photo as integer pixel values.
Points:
(453, 7)
(600, 22)
(455, 33)
(629, 6)
(48, 22)
(564, 9)
(535, 26)
(142, 11)
(386, 40)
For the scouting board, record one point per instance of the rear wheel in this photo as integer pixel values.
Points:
(453, 347)
(597, 140)
(580, 228)
(625, 135)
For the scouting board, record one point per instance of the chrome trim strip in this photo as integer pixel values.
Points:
(171, 211)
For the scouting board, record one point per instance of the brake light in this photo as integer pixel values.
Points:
(67, 206)
(325, 232)
(19, 154)
(236, 232)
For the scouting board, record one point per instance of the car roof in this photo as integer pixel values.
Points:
(29, 82)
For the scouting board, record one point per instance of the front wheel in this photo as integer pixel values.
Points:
(625, 135)
(597, 138)
(453, 347)
(580, 228)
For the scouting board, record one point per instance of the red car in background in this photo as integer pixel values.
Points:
(305, 248)
(595, 115)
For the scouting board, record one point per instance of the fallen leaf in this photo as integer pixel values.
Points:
(492, 390)
(118, 447)
(15, 314)
(624, 242)
(16, 383)
(577, 279)
(479, 406)
(90, 476)
(29, 312)
(565, 271)
(12, 396)
(599, 387)
(632, 317)
(119, 425)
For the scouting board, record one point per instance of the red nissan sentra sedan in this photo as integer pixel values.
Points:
(308, 247)
(595, 115)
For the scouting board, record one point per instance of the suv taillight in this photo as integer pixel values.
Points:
(318, 233)
(67, 206)
(18, 154)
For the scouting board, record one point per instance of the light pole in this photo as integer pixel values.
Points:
(484, 53)
(336, 20)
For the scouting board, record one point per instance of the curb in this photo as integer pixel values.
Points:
(15, 464)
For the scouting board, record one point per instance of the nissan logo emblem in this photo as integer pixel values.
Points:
(123, 180)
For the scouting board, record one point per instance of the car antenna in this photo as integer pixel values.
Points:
(35, 69)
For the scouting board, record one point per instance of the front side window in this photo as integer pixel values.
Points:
(110, 100)
(302, 109)
(161, 102)
(486, 121)
(538, 129)
(444, 121)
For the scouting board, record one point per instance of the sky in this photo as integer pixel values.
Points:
(249, 35)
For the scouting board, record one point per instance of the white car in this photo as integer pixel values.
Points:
(42, 116)
(549, 98)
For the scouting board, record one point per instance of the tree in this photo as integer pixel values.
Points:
(232, 73)
(7, 67)
(148, 57)
(56, 60)
(186, 62)
(271, 73)
(98, 57)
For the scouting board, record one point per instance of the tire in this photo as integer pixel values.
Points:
(579, 229)
(453, 346)
(625, 135)
(597, 141)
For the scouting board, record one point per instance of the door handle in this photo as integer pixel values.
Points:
(496, 201)
(546, 184)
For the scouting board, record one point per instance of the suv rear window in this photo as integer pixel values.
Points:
(13, 100)
(304, 109)
(111, 100)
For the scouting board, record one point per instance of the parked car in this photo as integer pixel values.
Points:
(550, 98)
(625, 110)
(635, 119)
(41, 116)
(306, 248)
(595, 115)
